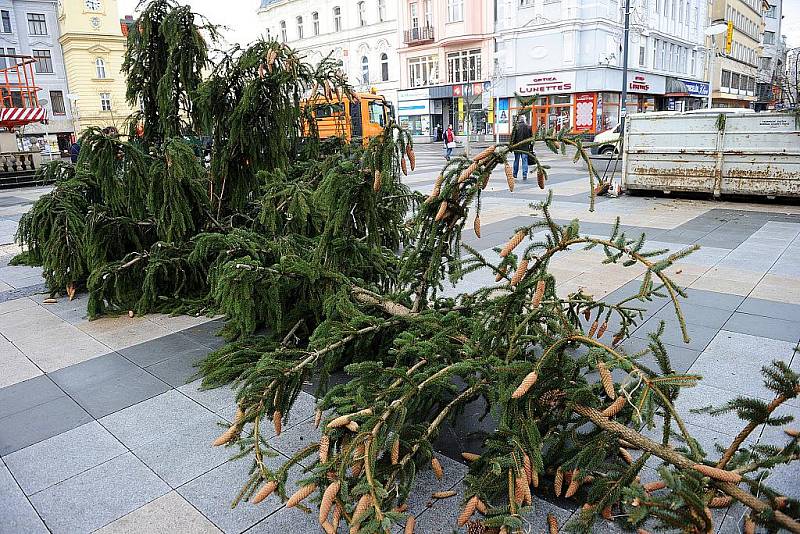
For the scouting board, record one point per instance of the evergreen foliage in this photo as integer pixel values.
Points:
(304, 247)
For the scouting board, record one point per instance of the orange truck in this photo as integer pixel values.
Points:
(364, 116)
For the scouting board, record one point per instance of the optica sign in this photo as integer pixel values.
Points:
(545, 85)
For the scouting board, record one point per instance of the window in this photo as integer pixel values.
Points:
(44, 63)
(694, 63)
(10, 60)
(105, 101)
(769, 37)
(100, 68)
(93, 5)
(771, 12)
(384, 67)
(413, 13)
(765, 63)
(364, 70)
(381, 10)
(37, 24)
(464, 66)
(423, 70)
(337, 19)
(299, 21)
(455, 10)
(284, 37)
(6, 16)
(362, 14)
(376, 114)
(426, 5)
(57, 103)
(642, 53)
(315, 23)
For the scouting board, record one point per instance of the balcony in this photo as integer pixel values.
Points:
(417, 36)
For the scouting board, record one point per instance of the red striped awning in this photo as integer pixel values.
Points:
(10, 117)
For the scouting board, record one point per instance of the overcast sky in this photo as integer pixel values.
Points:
(238, 15)
(244, 26)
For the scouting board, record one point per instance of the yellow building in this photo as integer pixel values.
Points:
(94, 48)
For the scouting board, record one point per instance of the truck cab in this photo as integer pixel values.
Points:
(362, 116)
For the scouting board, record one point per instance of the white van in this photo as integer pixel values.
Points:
(607, 142)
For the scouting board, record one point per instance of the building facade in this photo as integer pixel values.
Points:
(446, 67)
(735, 68)
(94, 48)
(360, 34)
(30, 28)
(569, 55)
(772, 62)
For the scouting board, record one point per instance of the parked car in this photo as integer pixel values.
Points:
(607, 142)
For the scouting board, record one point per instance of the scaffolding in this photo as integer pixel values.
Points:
(19, 102)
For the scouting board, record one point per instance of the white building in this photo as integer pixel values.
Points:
(362, 34)
(570, 53)
(772, 61)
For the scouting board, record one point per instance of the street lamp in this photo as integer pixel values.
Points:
(717, 27)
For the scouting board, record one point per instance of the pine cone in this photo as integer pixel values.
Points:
(792, 432)
(411, 522)
(376, 184)
(412, 158)
(470, 456)
(469, 509)
(626, 456)
(466, 173)
(552, 523)
(602, 329)
(363, 503)
(615, 407)
(607, 380)
(396, 451)
(442, 211)
(477, 226)
(484, 154)
(500, 274)
(300, 495)
(512, 243)
(481, 507)
(403, 166)
(276, 421)
(749, 525)
(476, 527)
(522, 270)
(443, 494)
(525, 385)
(526, 465)
(540, 178)
(720, 502)
(558, 482)
(509, 176)
(317, 418)
(593, 329)
(324, 445)
(538, 294)
(437, 468)
(437, 189)
(328, 499)
(654, 486)
(265, 491)
(552, 398)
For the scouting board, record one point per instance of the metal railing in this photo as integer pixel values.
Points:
(418, 35)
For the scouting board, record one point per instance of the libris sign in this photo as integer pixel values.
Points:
(545, 85)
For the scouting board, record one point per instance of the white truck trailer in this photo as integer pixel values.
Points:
(716, 153)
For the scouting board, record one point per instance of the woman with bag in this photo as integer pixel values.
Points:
(449, 142)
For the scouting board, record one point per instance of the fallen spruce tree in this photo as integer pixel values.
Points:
(305, 247)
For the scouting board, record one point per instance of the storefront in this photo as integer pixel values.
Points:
(685, 95)
(586, 100)
(426, 112)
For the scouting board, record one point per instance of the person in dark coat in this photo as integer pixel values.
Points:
(74, 151)
(520, 133)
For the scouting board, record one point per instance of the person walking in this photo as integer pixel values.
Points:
(449, 142)
(520, 133)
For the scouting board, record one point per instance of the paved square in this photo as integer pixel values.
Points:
(104, 428)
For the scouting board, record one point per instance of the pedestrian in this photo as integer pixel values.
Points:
(520, 140)
(438, 132)
(74, 151)
(449, 142)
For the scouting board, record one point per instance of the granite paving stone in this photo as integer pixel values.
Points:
(206, 334)
(713, 299)
(680, 357)
(169, 513)
(770, 308)
(702, 396)
(15, 367)
(764, 326)
(40, 422)
(296, 438)
(160, 349)
(16, 513)
(187, 453)
(696, 314)
(290, 520)
(53, 460)
(426, 483)
(213, 493)
(119, 392)
(91, 372)
(215, 399)
(179, 370)
(154, 418)
(27, 394)
(699, 336)
(98, 496)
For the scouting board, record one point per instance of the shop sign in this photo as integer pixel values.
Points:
(550, 84)
(584, 112)
(640, 84)
(502, 115)
(458, 90)
(696, 88)
(413, 107)
(413, 94)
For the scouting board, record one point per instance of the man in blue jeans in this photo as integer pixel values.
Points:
(520, 133)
